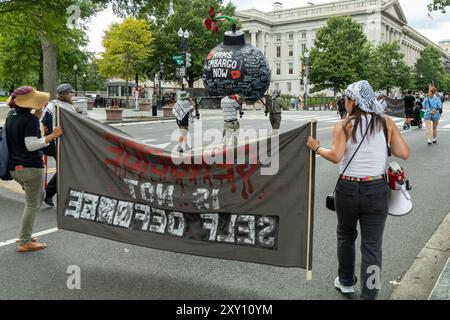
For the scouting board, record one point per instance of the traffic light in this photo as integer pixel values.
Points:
(188, 60)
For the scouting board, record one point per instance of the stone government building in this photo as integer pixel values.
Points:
(284, 34)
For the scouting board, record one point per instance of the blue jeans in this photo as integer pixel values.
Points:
(366, 202)
(435, 117)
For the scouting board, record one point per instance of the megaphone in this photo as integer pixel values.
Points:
(400, 202)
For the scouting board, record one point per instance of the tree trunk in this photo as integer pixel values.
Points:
(136, 78)
(127, 69)
(49, 66)
(41, 69)
(191, 82)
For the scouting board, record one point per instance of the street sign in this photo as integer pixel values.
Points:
(178, 60)
(181, 72)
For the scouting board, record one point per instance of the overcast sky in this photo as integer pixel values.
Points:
(416, 12)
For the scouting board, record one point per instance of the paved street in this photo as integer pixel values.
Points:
(111, 270)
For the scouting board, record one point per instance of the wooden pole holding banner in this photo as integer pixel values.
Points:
(312, 167)
(58, 161)
(46, 167)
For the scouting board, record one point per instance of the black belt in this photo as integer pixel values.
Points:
(231, 120)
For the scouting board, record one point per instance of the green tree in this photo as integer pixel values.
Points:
(392, 71)
(340, 55)
(126, 45)
(21, 57)
(445, 85)
(429, 67)
(439, 5)
(188, 15)
(48, 21)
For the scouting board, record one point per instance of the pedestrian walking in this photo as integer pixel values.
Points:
(182, 111)
(230, 106)
(292, 102)
(64, 100)
(273, 108)
(433, 109)
(26, 164)
(341, 108)
(359, 146)
(381, 99)
(409, 109)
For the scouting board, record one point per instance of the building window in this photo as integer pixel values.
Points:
(291, 36)
(278, 69)
(291, 68)
(303, 34)
(303, 48)
(278, 37)
(289, 86)
(291, 50)
(278, 52)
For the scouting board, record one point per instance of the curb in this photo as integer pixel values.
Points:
(420, 279)
(140, 119)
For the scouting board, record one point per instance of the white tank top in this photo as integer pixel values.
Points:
(370, 160)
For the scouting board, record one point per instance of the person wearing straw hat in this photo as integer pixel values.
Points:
(359, 145)
(26, 165)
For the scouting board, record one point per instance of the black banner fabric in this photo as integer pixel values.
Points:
(256, 209)
(395, 107)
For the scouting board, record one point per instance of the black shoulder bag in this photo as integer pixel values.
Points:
(330, 198)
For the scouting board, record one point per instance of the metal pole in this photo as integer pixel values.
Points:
(306, 81)
(76, 91)
(160, 92)
(184, 62)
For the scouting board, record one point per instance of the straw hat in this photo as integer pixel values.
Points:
(28, 98)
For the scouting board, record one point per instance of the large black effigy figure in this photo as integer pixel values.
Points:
(238, 67)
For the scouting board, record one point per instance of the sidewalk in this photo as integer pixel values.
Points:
(429, 275)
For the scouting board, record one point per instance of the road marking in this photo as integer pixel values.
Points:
(161, 146)
(37, 234)
(149, 140)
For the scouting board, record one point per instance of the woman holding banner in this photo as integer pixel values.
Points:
(26, 166)
(359, 146)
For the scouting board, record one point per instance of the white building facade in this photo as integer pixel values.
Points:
(283, 35)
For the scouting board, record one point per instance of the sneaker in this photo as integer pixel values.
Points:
(31, 246)
(49, 201)
(429, 142)
(32, 239)
(434, 141)
(342, 288)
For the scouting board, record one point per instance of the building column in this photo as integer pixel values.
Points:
(261, 41)
(253, 41)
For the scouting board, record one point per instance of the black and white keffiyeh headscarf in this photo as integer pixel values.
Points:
(364, 97)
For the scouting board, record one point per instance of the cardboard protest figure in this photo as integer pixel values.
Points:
(235, 65)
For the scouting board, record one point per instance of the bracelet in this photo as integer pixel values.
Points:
(318, 148)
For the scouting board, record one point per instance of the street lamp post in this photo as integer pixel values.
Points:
(306, 77)
(75, 68)
(84, 83)
(184, 36)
